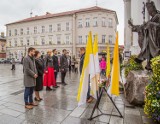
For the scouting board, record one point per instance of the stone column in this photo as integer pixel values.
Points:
(127, 30)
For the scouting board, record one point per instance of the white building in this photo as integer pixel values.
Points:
(133, 10)
(66, 30)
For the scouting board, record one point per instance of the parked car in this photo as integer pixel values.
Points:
(2, 61)
(7, 61)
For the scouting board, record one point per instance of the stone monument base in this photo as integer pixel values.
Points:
(136, 82)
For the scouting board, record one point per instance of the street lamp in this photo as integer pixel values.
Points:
(25, 52)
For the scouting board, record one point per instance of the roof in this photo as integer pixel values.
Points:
(49, 15)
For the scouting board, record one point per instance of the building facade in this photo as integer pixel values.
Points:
(2, 46)
(133, 10)
(67, 30)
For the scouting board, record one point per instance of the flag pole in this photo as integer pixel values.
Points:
(97, 89)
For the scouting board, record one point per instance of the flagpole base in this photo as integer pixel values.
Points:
(96, 106)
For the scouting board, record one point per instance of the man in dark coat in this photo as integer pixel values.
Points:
(64, 66)
(82, 53)
(30, 75)
(55, 64)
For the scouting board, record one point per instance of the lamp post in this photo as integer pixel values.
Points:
(25, 50)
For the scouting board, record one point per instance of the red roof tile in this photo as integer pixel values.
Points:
(49, 15)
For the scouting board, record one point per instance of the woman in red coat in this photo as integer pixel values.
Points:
(49, 78)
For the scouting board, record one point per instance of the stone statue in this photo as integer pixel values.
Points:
(148, 36)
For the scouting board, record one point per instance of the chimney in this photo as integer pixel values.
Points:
(47, 13)
(2, 34)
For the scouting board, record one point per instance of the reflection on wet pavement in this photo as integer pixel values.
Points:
(58, 106)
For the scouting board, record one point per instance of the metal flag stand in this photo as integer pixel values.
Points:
(96, 106)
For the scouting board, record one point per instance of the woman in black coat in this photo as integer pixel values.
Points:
(39, 79)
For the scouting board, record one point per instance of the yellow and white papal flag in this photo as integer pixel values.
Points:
(87, 71)
(114, 86)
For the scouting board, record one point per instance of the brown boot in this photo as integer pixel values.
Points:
(90, 100)
(33, 104)
(28, 107)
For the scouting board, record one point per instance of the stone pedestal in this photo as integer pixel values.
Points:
(135, 85)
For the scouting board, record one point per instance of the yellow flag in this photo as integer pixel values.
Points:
(115, 70)
(108, 63)
(86, 71)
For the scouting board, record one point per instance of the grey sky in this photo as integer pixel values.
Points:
(13, 10)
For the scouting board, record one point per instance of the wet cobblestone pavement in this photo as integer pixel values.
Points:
(57, 107)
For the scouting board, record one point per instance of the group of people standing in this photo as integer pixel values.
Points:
(42, 71)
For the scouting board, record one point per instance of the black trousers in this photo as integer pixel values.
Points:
(63, 75)
(70, 67)
(13, 67)
(55, 75)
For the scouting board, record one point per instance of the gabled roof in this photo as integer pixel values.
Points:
(49, 15)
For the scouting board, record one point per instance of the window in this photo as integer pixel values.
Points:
(103, 22)
(87, 22)
(80, 24)
(27, 31)
(43, 29)
(35, 30)
(67, 39)
(50, 28)
(50, 40)
(79, 39)
(21, 31)
(58, 27)
(110, 21)
(103, 38)
(58, 39)
(67, 26)
(10, 44)
(35, 41)
(95, 22)
(15, 32)
(86, 38)
(42, 41)
(15, 42)
(110, 39)
(28, 42)
(10, 33)
(21, 42)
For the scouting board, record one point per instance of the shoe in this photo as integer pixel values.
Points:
(28, 107)
(56, 86)
(33, 104)
(64, 84)
(37, 99)
(90, 100)
(48, 89)
(41, 99)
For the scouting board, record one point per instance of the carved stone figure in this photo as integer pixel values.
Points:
(149, 35)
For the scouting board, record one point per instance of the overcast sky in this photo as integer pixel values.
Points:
(13, 10)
